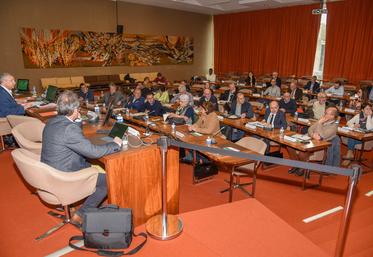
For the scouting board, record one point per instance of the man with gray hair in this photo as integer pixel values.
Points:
(8, 105)
(183, 91)
(66, 148)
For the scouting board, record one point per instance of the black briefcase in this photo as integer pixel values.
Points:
(277, 154)
(205, 170)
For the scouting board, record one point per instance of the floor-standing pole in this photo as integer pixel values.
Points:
(342, 234)
(164, 226)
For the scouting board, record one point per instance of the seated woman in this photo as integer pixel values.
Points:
(363, 120)
(162, 95)
(184, 113)
(208, 124)
(85, 94)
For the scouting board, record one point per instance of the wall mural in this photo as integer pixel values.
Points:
(53, 48)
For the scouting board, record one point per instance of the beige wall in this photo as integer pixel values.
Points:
(99, 15)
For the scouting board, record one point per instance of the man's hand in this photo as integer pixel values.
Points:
(323, 119)
(118, 141)
(357, 126)
(243, 115)
(27, 105)
(316, 136)
(282, 109)
(190, 128)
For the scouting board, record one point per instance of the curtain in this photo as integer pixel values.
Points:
(264, 41)
(349, 40)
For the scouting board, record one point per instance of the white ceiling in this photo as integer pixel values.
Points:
(221, 6)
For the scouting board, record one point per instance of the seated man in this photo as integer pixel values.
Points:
(85, 94)
(243, 109)
(295, 92)
(276, 78)
(274, 118)
(319, 106)
(113, 97)
(287, 104)
(65, 148)
(363, 120)
(313, 85)
(208, 97)
(152, 106)
(230, 94)
(8, 105)
(136, 101)
(144, 90)
(324, 129)
(211, 76)
(337, 89)
(273, 90)
(183, 91)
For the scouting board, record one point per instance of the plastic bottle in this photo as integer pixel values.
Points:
(97, 109)
(282, 132)
(34, 91)
(173, 127)
(208, 140)
(119, 118)
(296, 115)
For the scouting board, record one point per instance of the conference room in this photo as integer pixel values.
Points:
(186, 128)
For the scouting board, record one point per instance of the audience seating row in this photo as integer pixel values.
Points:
(94, 80)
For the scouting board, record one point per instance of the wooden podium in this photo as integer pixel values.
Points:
(134, 181)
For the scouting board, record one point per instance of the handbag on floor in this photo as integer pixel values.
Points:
(108, 227)
(204, 170)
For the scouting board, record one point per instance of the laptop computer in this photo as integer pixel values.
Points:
(50, 96)
(117, 130)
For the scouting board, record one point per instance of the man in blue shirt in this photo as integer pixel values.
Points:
(136, 101)
(8, 105)
(154, 107)
(85, 94)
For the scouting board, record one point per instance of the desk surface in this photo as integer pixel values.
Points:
(240, 229)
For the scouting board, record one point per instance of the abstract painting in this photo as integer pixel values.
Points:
(54, 48)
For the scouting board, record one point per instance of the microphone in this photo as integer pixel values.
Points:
(213, 141)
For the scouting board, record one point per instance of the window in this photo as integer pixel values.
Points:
(318, 67)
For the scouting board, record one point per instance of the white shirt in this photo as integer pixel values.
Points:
(9, 91)
(335, 91)
(271, 116)
(211, 78)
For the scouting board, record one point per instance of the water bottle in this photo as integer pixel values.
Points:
(296, 116)
(341, 105)
(173, 127)
(208, 141)
(102, 94)
(146, 118)
(34, 91)
(282, 132)
(86, 102)
(97, 109)
(119, 118)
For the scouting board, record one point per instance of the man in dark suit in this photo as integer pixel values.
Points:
(208, 97)
(275, 77)
(295, 92)
(8, 105)
(313, 85)
(229, 95)
(154, 107)
(240, 108)
(288, 105)
(136, 101)
(65, 148)
(274, 117)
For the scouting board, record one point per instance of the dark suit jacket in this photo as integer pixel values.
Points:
(245, 108)
(156, 109)
(290, 107)
(65, 148)
(116, 98)
(213, 100)
(9, 106)
(250, 81)
(315, 89)
(280, 119)
(225, 96)
(88, 96)
(138, 104)
(298, 94)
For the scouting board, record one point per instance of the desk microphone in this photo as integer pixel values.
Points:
(213, 141)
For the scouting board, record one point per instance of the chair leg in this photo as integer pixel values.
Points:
(2, 144)
(65, 220)
(231, 187)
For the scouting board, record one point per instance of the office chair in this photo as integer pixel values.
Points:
(53, 186)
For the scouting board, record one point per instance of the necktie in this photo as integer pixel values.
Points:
(230, 97)
(271, 119)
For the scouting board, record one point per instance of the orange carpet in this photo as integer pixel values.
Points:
(24, 216)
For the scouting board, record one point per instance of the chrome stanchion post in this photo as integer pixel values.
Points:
(164, 226)
(342, 234)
